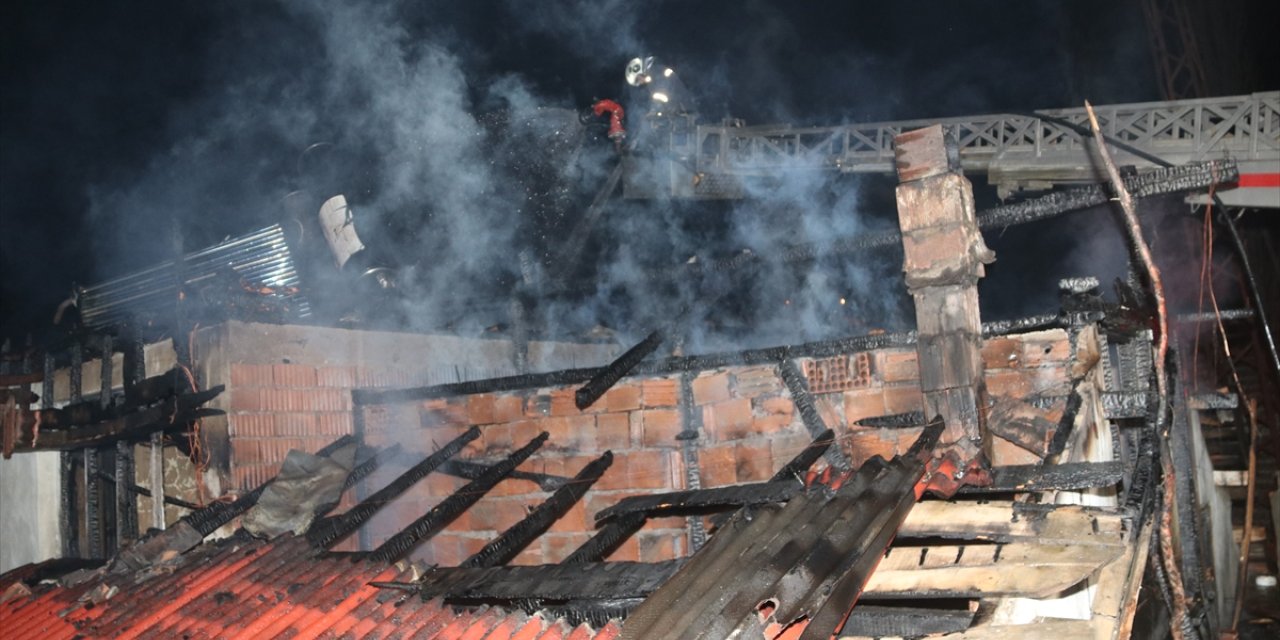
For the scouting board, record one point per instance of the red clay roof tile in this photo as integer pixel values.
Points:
(250, 589)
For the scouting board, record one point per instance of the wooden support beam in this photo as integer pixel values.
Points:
(1118, 583)
(973, 571)
(1003, 521)
(1051, 477)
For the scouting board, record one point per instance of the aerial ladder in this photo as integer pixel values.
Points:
(1017, 152)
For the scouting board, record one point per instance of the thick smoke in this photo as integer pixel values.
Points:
(434, 118)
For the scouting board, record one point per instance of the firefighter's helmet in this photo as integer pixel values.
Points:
(638, 71)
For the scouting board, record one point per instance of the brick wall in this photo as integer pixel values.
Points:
(637, 420)
(749, 429)
(289, 387)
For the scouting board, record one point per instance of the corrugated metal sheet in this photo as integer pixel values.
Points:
(244, 588)
(260, 258)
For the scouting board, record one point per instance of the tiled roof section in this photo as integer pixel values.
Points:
(244, 588)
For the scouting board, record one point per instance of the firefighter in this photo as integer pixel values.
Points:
(663, 90)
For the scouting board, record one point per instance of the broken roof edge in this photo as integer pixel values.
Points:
(693, 363)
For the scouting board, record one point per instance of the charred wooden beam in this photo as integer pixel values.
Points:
(126, 503)
(1187, 177)
(596, 612)
(691, 420)
(146, 493)
(69, 520)
(366, 467)
(803, 400)
(513, 540)
(147, 391)
(1053, 477)
(681, 364)
(450, 508)
(104, 379)
(31, 434)
(603, 381)
(874, 621)
(93, 521)
(362, 470)
(1226, 315)
(784, 485)
(606, 540)
(1067, 422)
(797, 466)
(470, 470)
(365, 397)
(894, 421)
(703, 500)
(75, 371)
(325, 532)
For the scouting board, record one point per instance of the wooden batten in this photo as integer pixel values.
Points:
(975, 571)
(1005, 521)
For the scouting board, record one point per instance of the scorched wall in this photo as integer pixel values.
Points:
(744, 425)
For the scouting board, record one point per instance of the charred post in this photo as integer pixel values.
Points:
(691, 418)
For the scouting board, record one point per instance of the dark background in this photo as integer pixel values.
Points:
(103, 99)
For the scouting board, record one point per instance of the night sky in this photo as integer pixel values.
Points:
(120, 121)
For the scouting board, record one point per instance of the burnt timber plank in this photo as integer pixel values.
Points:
(1005, 521)
(327, 531)
(516, 538)
(974, 571)
(702, 500)
(904, 622)
(606, 540)
(169, 415)
(450, 508)
(1035, 477)
(784, 485)
(599, 383)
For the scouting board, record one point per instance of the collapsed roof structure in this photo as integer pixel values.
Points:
(963, 478)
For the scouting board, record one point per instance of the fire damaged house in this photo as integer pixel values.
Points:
(270, 437)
